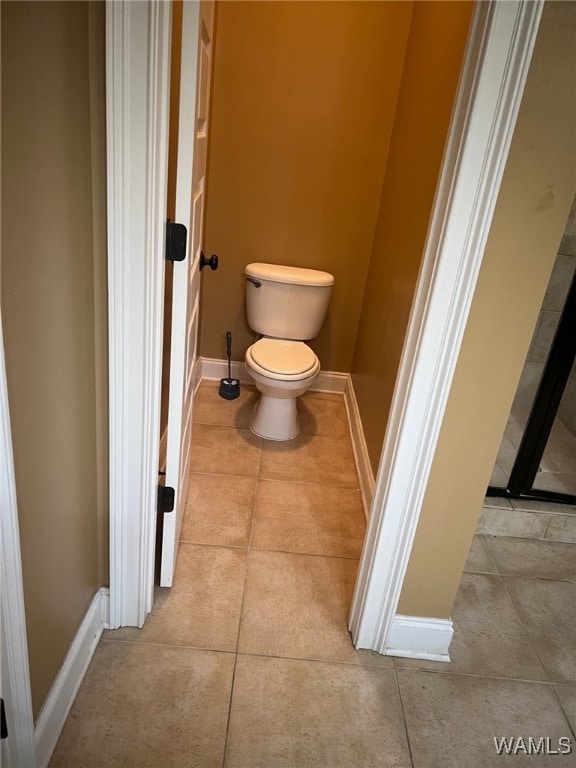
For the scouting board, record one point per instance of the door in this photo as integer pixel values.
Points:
(18, 747)
(196, 65)
(537, 456)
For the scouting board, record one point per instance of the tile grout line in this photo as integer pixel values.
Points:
(252, 520)
(525, 628)
(408, 743)
(278, 480)
(571, 728)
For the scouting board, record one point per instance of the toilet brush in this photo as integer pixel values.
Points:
(229, 388)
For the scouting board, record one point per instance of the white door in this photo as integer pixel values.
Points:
(18, 748)
(196, 65)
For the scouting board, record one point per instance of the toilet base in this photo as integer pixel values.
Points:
(275, 418)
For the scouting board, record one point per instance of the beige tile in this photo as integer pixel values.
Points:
(500, 474)
(562, 528)
(202, 609)
(210, 408)
(312, 519)
(513, 522)
(544, 506)
(548, 611)
(535, 559)
(452, 720)
(479, 559)
(225, 450)
(323, 416)
(495, 502)
(489, 638)
(300, 713)
(219, 510)
(298, 605)
(318, 459)
(557, 482)
(567, 696)
(148, 706)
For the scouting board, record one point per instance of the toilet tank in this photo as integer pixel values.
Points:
(287, 302)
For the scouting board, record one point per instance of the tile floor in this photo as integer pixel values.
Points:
(246, 662)
(557, 470)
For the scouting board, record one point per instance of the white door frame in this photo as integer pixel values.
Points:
(138, 43)
(19, 748)
(138, 38)
(498, 55)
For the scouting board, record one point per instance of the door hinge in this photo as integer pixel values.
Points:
(166, 497)
(175, 241)
(3, 723)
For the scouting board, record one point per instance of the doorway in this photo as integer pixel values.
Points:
(537, 455)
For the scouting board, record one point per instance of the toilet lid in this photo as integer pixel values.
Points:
(282, 356)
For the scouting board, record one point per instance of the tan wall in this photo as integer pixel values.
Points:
(532, 209)
(304, 96)
(434, 55)
(49, 309)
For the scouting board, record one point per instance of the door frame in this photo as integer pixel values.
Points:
(498, 55)
(138, 50)
(138, 39)
(15, 674)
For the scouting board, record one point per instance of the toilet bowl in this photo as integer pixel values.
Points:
(282, 371)
(286, 306)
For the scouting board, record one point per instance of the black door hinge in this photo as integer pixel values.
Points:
(3, 723)
(175, 241)
(165, 499)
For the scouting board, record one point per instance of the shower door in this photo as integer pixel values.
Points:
(537, 457)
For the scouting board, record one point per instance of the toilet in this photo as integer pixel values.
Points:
(286, 306)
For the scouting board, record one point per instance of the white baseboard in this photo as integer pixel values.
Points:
(65, 687)
(214, 370)
(413, 637)
(363, 466)
(331, 381)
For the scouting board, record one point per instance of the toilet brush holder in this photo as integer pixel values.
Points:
(229, 388)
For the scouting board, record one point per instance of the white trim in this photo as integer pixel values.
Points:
(67, 682)
(137, 91)
(19, 748)
(498, 55)
(213, 369)
(361, 456)
(413, 637)
(331, 381)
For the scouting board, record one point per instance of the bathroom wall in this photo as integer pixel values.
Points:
(427, 91)
(549, 316)
(532, 208)
(54, 311)
(304, 99)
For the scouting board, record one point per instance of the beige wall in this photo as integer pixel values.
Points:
(531, 211)
(304, 96)
(50, 313)
(438, 34)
